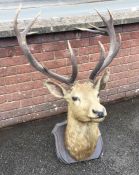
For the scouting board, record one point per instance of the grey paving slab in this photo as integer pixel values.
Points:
(29, 149)
(66, 16)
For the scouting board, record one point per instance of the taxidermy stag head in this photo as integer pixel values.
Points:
(84, 109)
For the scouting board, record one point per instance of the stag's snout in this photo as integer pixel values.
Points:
(100, 114)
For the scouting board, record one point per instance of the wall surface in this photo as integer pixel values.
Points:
(22, 95)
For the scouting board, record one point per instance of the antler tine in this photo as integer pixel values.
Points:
(98, 31)
(114, 46)
(27, 29)
(21, 36)
(15, 21)
(101, 61)
(74, 64)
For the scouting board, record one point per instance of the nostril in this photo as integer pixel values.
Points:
(99, 114)
(95, 112)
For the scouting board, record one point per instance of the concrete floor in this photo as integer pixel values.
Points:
(29, 149)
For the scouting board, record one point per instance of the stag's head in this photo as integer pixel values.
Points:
(83, 98)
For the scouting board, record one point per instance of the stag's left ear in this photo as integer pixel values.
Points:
(101, 83)
(55, 89)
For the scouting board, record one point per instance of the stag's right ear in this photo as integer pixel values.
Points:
(55, 89)
(101, 83)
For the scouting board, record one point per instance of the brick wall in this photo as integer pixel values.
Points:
(22, 96)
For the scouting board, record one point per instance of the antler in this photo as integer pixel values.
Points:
(21, 36)
(104, 60)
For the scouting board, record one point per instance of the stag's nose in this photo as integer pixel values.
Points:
(100, 114)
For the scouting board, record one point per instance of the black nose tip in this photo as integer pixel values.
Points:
(99, 113)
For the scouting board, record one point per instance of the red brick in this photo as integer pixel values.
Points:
(55, 63)
(134, 50)
(59, 36)
(2, 81)
(61, 45)
(117, 83)
(126, 44)
(129, 59)
(2, 90)
(38, 100)
(118, 61)
(102, 39)
(37, 84)
(133, 72)
(16, 96)
(35, 48)
(83, 75)
(76, 43)
(25, 68)
(8, 42)
(18, 51)
(2, 99)
(2, 71)
(84, 34)
(132, 93)
(11, 80)
(94, 57)
(8, 71)
(86, 66)
(119, 68)
(21, 60)
(110, 91)
(9, 61)
(134, 42)
(124, 52)
(9, 106)
(126, 88)
(134, 35)
(62, 54)
(38, 76)
(24, 77)
(45, 56)
(130, 28)
(39, 92)
(133, 79)
(116, 96)
(7, 52)
(92, 40)
(50, 98)
(70, 35)
(93, 49)
(25, 86)
(11, 88)
(64, 70)
(126, 36)
(84, 51)
(83, 59)
(26, 102)
(120, 75)
(134, 65)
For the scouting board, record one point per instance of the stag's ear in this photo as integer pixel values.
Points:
(55, 89)
(101, 83)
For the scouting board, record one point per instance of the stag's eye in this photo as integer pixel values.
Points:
(75, 98)
(97, 95)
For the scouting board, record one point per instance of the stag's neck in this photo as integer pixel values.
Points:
(73, 122)
(82, 130)
(80, 137)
